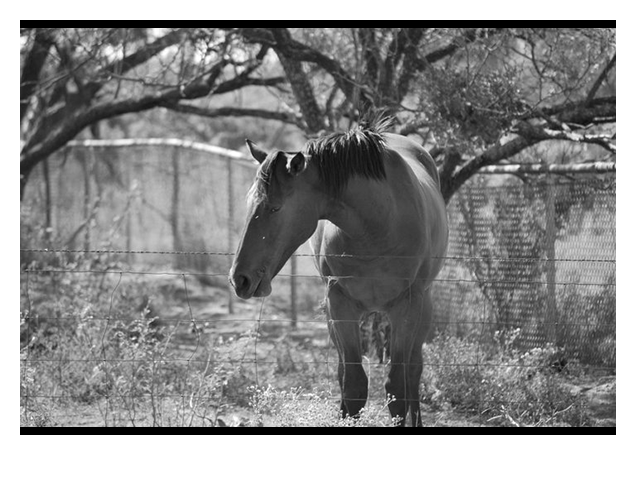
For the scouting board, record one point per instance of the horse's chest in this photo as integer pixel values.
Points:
(374, 285)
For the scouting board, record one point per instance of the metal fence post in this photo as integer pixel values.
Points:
(550, 239)
(230, 230)
(177, 244)
(126, 170)
(48, 232)
(86, 163)
(294, 311)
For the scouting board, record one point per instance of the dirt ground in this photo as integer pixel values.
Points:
(600, 394)
(598, 389)
(290, 350)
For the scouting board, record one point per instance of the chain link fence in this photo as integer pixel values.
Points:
(535, 252)
(112, 231)
(527, 250)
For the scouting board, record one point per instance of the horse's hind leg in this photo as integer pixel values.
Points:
(410, 325)
(420, 335)
(343, 317)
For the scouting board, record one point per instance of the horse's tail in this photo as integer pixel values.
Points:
(375, 334)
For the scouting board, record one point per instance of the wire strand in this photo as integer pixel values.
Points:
(341, 256)
(301, 276)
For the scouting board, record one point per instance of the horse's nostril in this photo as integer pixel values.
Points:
(241, 282)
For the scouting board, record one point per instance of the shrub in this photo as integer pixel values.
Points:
(503, 385)
(588, 324)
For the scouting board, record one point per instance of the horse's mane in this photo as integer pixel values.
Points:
(339, 157)
(357, 152)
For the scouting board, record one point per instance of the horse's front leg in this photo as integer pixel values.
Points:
(410, 325)
(343, 319)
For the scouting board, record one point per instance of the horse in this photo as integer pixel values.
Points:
(370, 203)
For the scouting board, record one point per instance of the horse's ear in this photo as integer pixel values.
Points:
(257, 153)
(296, 164)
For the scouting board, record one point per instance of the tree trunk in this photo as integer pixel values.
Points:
(314, 118)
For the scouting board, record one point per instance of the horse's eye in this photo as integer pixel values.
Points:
(275, 209)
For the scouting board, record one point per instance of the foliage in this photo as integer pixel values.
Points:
(505, 386)
(470, 112)
(73, 354)
(588, 323)
(487, 92)
(502, 231)
(130, 369)
(507, 271)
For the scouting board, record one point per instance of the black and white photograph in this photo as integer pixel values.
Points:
(347, 227)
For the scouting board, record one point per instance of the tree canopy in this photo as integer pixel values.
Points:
(473, 96)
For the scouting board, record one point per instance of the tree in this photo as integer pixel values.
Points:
(484, 94)
(71, 79)
(487, 93)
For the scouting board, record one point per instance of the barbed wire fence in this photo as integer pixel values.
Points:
(138, 252)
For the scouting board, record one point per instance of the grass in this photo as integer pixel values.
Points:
(503, 385)
(134, 350)
(298, 408)
(91, 352)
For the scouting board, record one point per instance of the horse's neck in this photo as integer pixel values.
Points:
(364, 214)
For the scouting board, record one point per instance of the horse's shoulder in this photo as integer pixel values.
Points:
(410, 150)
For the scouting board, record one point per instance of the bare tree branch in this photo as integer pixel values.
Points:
(584, 113)
(371, 54)
(72, 125)
(62, 105)
(69, 128)
(537, 133)
(452, 178)
(413, 126)
(299, 82)
(492, 155)
(139, 57)
(411, 43)
(599, 81)
(469, 36)
(291, 49)
(242, 80)
(229, 111)
(388, 60)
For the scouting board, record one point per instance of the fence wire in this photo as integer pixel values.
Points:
(139, 255)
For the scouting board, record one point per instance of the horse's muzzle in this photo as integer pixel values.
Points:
(246, 287)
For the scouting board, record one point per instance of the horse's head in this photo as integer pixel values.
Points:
(283, 212)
